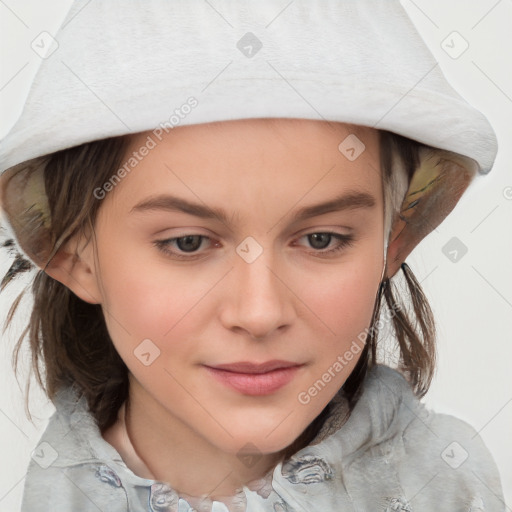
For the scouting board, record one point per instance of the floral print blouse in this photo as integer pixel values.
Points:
(389, 454)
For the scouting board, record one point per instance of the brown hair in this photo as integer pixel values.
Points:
(68, 337)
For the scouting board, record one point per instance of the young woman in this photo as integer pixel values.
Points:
(215, 261)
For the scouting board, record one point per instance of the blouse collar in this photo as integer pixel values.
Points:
(383, 409)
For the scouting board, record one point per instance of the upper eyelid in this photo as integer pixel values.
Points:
(300, 234)
(326, 229)
(196, 231)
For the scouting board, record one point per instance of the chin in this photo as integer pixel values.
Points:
(257, 440)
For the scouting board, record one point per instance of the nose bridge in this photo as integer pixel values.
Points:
(259, 279)
(257, 301)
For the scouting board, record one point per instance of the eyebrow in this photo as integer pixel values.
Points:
(348, 201)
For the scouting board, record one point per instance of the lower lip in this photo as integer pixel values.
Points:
(255, 384)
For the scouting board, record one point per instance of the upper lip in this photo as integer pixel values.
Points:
(248, 367)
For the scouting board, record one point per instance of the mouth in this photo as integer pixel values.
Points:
(255, 379)
(255, 368)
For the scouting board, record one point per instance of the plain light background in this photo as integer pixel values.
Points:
(471, 298)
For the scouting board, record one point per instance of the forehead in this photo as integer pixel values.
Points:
(259, 136)
(255, 159)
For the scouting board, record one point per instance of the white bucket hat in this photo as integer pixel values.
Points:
(116, 67)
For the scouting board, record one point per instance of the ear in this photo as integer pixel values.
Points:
(435, 188)
(73, 265)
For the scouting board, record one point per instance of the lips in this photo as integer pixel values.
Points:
(252, 368)
(255, 379)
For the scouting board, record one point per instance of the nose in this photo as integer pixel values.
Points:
(257, 301)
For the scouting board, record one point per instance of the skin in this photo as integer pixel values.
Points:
(294, 302)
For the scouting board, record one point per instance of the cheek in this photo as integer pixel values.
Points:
(345, 311)
(342, 301)
(151, 308)
(142, 300)
(343, 296)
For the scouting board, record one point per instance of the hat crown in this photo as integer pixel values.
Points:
(125, 67)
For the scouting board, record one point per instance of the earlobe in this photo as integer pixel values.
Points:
(76, 271)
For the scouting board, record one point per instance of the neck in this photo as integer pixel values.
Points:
(189, 463)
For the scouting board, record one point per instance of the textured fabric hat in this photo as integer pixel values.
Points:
(117, 67)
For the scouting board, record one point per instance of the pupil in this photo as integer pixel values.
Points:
(319, 240)
(189, 243)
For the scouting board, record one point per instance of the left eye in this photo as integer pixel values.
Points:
(322, 240)
(189, 243)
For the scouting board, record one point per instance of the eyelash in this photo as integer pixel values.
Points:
(344, 241)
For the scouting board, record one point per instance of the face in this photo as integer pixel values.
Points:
(249, 242)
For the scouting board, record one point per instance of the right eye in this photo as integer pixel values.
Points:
(182, 244)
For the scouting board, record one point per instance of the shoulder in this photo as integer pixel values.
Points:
(456, 457)
(438, 456)
(72, 488)
(66, 472)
